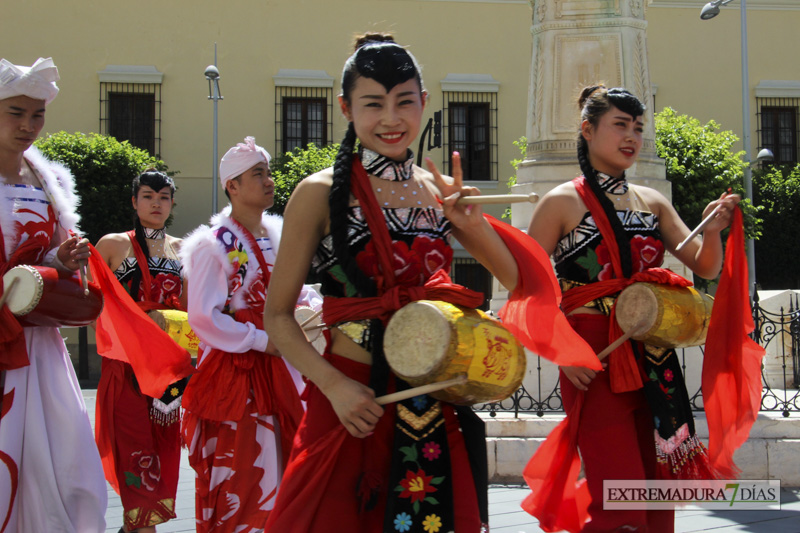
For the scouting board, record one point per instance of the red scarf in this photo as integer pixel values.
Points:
(124, 332)
(12, 338)
(732, 360)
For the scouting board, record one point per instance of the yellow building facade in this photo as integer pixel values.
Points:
(280, 61)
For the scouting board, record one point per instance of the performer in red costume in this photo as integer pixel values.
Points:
(139, 436)
(633, 420)
(51, 478)
(243, 404)
(378, 239)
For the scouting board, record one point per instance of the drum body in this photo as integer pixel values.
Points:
(176, 324)
(430, 341)
(44, 296)
(673, 317)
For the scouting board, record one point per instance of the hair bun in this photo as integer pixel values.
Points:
(587, 92)
(372, 37)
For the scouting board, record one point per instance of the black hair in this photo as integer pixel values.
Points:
(594, 102)
(378, 57)
(156, 180)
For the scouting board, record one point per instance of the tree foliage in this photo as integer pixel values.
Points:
(104, 169)
(293, 167)
(777, 190)
(700, 165)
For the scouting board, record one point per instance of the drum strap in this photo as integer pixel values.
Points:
(144, 268)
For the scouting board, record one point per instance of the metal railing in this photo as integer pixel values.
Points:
(778, 333)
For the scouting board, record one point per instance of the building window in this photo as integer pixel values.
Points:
(304, 120)
(470, 273)
(471, 130)
(303, 109)
(132, 112)
(778, 127)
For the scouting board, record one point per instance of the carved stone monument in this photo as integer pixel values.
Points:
(578, 43)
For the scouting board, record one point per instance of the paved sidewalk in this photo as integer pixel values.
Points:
(505, 514)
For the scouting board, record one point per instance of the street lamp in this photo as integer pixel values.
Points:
(212, 75)
(709, 11)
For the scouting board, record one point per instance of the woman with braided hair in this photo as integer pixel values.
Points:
(599, 227)
(138, 435)
(369, 227)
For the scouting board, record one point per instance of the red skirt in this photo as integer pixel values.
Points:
(141, 458)
(318, 491)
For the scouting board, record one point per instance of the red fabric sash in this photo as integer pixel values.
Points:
(124, 332)
(13, 352)
(223, 382)
(392, 297)
(141, 262)
(732, 360)
(532, 313)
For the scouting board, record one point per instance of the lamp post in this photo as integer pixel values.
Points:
(212, 75)
(709, 11)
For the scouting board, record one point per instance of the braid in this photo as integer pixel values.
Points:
(339, 201)
(623, 241)
(137, 274)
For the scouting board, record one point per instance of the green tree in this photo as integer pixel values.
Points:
(701, 166)
(522, 146)
(293, 167)
(103, 168)
(777, 190)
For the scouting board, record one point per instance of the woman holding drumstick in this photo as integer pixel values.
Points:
(599, 227)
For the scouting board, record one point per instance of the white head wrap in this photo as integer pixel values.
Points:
(240, 158)
(37, 81)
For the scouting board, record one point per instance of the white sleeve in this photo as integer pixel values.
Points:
(310, 297)
(208, 291)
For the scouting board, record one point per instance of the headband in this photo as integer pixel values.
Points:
(240, 158)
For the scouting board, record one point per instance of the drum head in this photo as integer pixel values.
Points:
(27, 291)
(637, 304)
(417, 340)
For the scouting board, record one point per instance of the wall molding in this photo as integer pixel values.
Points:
(130, 74)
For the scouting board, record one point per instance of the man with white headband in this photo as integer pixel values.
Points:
(51, 478)
(243, 403)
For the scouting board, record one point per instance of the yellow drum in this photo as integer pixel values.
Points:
(431, 341)
(176, 324)
(672, 317)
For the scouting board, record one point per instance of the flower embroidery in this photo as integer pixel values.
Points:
(431, 451)
(416, 485)
(145, 471)
(668, 375)
(432, 523)
(402, 522)
(404, 260)
(420, 401)
(434, 253)
(646, 252)
(604, 259)
(165, 285)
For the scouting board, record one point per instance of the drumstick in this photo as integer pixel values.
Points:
(422, 389)
(7, 292)
(315, 326)
(617, 343)
(84, 282)
(499, 199)
(700, 227)
(309, 319)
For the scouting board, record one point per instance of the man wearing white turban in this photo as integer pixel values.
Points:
(243, 403)
(51, 478)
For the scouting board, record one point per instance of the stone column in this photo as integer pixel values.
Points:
(577, 43)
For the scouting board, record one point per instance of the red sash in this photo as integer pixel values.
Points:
(12, 338)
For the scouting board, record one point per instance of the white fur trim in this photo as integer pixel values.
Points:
(59, 185)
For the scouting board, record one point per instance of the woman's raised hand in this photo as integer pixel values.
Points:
(461, 216)
(727, 202)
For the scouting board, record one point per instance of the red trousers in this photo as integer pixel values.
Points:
(318, 490)
(615, 438)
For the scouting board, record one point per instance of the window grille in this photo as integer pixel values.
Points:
(778, 127)
(471, 130)
(470, 273)
(302, 116)
(132, 112)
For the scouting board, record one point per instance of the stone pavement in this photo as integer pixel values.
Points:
(505, 514)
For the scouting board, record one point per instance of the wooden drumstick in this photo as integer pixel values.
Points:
(309, 319)
(499, 199)
(700, 227)
(7, 292)
(84, 281)
(617, 343)
(315, 326)
(422, 389)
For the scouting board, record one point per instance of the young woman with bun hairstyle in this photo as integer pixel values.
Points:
(636, 420)
(138, 435)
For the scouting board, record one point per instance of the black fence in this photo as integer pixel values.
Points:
(778, 332)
